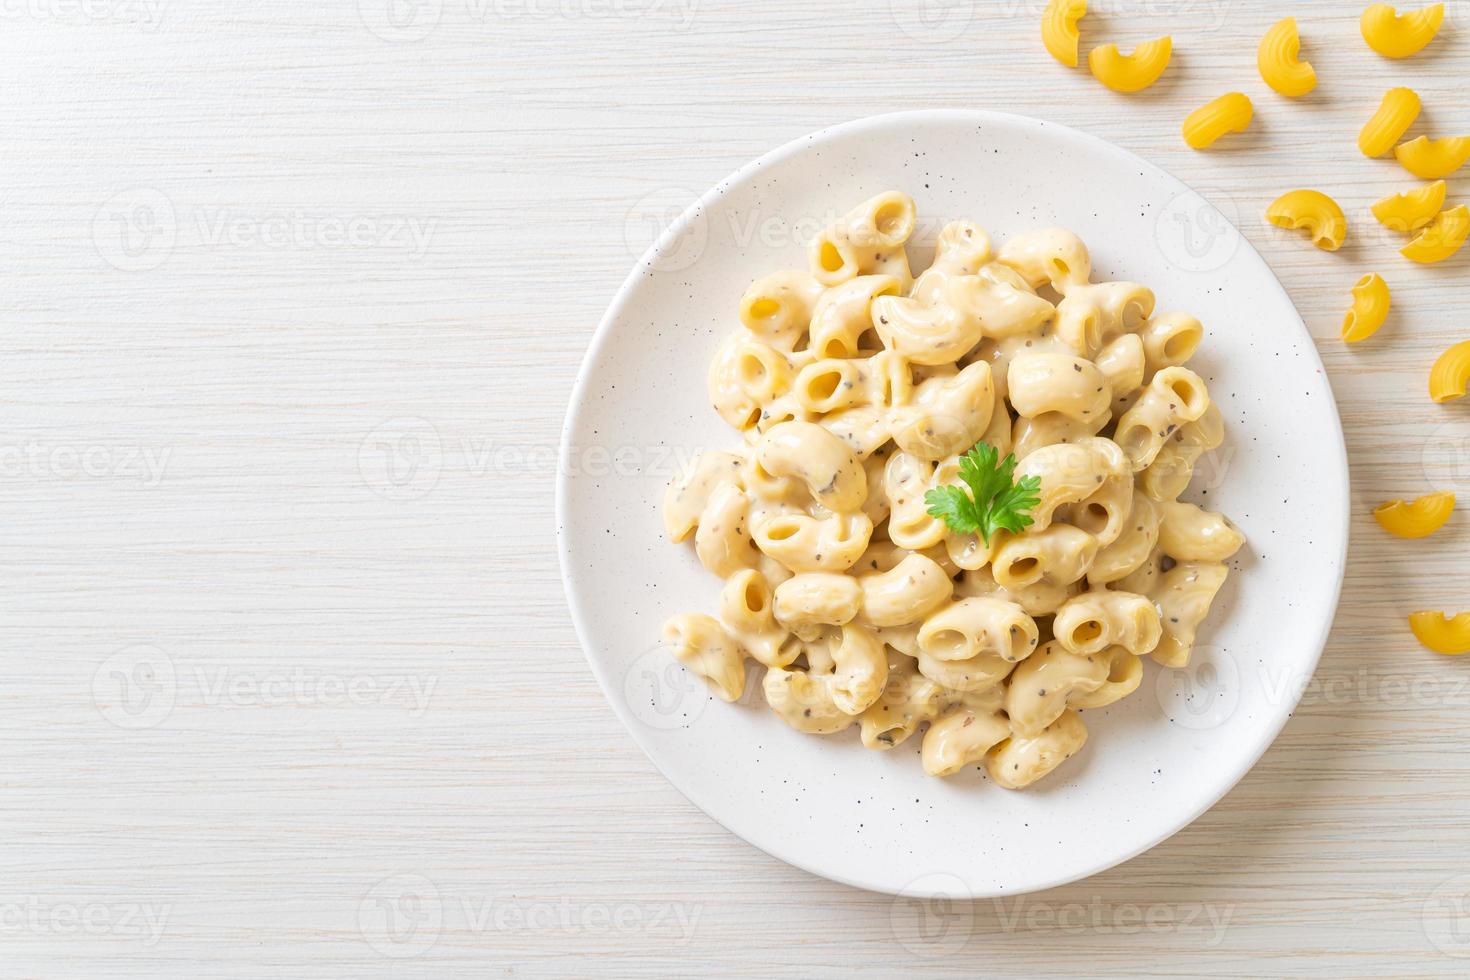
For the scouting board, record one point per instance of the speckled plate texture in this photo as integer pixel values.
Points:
(1154, 761)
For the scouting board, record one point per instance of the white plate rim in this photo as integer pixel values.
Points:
(580, 402)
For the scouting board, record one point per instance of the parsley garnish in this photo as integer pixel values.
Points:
(993, 503)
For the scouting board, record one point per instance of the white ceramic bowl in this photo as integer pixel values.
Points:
(1154, 761)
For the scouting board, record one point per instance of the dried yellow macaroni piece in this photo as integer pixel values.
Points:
(1441, 238)
(1429, 159)
(1131, 72)
(1395, 114)
(1369, 310)
(1441, 633)
(1450, 373)
(1411, 210)
(1396, 35)
(1418, 519)
(1230, 113)
(1316, 212)
(1059, 29)
(1278, 59)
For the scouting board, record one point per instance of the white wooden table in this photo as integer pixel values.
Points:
(294, 296)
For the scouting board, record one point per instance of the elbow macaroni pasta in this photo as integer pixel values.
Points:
(1174, 396)
(1395, 114)
(1450, 373)
(1190, 533)
(1168, 341)
(1410, 210)
(1396, 35)
(1440, 633)
(1018, 761)
(1051, 256)
(1093, 621)
(1319, 214)
(1131, 72)
(1419, 519)
(701, 644)
(1059, 29)
(1170, 472)
(1183, 596)
(1369, 310)
(1430, 159)
(868, 240)
(1441, 238)
(1278, 59)
(857, 387)
(1230, 113)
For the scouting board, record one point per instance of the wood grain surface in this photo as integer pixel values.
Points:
(294, 297)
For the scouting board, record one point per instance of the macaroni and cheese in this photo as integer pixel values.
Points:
(867, 395)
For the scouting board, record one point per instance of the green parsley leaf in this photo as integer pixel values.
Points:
(953, 506)
(994, 502)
